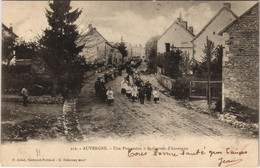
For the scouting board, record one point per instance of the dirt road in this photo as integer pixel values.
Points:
(132, 119)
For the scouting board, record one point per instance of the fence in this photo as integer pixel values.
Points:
(199, 89)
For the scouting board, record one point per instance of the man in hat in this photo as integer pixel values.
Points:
(148, 90)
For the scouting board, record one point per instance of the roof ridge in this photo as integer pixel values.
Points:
(177, 22)
(8, 29)
(213, 18)
(252, 7)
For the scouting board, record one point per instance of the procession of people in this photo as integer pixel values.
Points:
(132, 86)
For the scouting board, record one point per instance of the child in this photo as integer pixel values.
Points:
(134, 92)
(110, 97)
(124, 84)
(24, 93)
(128, 90)
(155, 95)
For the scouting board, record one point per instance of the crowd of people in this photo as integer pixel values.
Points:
(106, 94)
(136, 89)
(132, 85)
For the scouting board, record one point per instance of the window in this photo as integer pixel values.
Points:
(167, 47)
(214, 33)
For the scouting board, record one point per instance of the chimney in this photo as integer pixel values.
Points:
(90, 26)
(179, 20)
(185, 24)
(228, 5)
(11, 27)
(191, 29)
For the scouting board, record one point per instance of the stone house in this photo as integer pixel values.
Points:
(138, 51)
(223, 18)
(116, 56)
(241, 59)
(97, 48)
(179, 35)
(7, 33)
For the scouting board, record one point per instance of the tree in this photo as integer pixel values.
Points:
(59, 48)
(216, 67)
(171, 63)
(8, 45)
(215, 61)
(122, 49)
(186, 64)
(26, 50)
(151, 52)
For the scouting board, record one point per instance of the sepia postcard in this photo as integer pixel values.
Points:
(130, 83)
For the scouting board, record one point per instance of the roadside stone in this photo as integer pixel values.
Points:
(45, 99)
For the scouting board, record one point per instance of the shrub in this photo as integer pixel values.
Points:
(219, 104)
(181, 88)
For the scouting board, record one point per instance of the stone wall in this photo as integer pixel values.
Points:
(45, 99)
(241, 60)
(165, 81)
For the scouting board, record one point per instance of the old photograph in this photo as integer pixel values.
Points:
(130, 83)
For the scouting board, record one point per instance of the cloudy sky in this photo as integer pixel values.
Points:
(135, 21)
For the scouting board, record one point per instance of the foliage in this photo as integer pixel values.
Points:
(216, 55)
(181, 88)
(151, 52)
(122, 49)
(216, 67)
(59, 48)
(8, 45)
(14, 82)
(26, 50)
(171, 63)
(186, 64)
(219, 104)
(152, 62)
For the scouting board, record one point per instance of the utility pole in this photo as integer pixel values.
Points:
(208, 68)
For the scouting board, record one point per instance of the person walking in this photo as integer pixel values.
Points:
(141, 94)
(124, 84)
(110, 96)
(134, 92)
(128, 91)
(24, 93)
(148, 90)
(103, 92)
(64, 93)
(97, 85)
(155, 95)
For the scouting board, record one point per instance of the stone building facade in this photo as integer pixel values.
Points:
(97, 48)
(223, 18)
(241, 60)
(138, 51)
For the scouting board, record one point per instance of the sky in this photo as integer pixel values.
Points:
(135, 21)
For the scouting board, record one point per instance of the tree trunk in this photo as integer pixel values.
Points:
(54, 85)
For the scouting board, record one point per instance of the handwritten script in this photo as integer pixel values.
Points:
(220, 155)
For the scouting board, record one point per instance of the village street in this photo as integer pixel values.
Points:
(127, 119)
